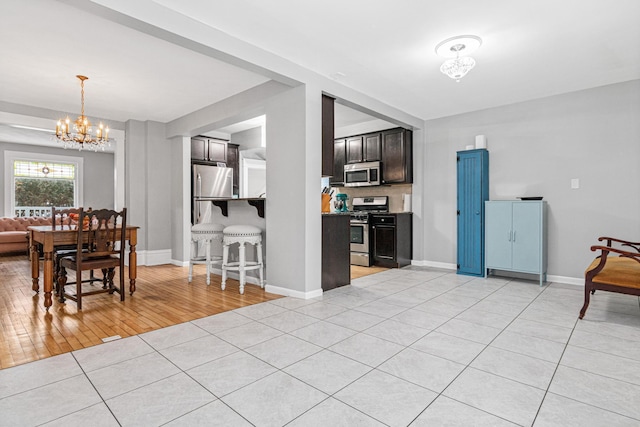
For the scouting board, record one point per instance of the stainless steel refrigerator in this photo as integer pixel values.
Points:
(207, 183)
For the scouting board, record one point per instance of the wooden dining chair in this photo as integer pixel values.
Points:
(104, 237)
(61, 218)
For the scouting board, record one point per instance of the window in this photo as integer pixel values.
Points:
(36, 182)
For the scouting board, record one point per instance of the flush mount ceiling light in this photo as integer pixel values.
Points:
(81, 135)
(457, 67)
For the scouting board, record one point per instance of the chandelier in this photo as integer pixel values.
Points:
(79, 134)
(458, 67)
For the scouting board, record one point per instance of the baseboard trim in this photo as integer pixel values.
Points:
(162, 256)
(291, 293)
(577, 281)
(434, 264)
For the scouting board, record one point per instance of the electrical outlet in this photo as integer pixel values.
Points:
(575, 183)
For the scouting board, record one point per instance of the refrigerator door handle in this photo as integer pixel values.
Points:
(196, 210)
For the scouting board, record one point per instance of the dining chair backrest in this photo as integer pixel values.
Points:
(64, 216)
(101, 232)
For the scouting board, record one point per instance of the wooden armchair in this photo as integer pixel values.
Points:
(103, 240)
(614, 269)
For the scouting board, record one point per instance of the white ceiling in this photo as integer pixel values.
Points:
(531, 49)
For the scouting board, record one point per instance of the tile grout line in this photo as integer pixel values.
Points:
(486, 346)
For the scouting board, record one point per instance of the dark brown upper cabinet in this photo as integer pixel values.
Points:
(371, 147)
(328, 135)
(397, 156)
(217, 150)
(199, 149)
(354, 149)
(205, 149)
(364, 148)
(392, 147)
(339, 157)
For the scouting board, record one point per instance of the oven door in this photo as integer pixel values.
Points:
(359, 236)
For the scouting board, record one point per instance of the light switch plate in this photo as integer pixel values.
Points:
(575, 183)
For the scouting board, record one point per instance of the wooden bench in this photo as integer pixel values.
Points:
(614, 270)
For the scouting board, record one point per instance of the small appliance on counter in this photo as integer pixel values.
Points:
(341, 202)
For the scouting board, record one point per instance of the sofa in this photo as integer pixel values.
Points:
(13, 233)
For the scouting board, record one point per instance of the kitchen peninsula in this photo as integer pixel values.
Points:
(223, 203)
(336, 269)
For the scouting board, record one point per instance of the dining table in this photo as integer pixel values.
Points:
(67, 235)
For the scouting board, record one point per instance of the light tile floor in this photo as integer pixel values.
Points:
(414, 346)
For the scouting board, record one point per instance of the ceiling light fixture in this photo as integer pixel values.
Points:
(82, 134)
(457, 67)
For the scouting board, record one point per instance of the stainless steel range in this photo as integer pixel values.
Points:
(360, 226)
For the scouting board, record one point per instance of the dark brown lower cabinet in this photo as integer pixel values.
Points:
(392, 239)
(336, 268)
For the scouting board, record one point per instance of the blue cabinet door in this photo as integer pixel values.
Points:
(498, 235)
(473, 190)
(527, 223)
(515, 237)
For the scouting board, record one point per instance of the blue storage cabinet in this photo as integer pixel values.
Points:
(473, 191)
(516, 237)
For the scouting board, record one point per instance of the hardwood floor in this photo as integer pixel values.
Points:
(358, 271)
(163, 298)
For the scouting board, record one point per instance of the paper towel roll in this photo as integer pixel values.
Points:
(406, 202)
(481, 141)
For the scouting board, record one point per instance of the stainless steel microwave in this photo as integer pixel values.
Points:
(362, 174)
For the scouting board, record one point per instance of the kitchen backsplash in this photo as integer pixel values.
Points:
(395, 192)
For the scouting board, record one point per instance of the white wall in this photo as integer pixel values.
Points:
(250, 138)
(535, 149)
(293, 216)
(180, 197)
(148, 186)
(159, 159)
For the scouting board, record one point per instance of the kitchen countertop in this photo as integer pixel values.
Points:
(371, 213)
(221, 202)
(223, 199)
(336, 213)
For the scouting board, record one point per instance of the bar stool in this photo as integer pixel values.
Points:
(207, 233)
(242, 234)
